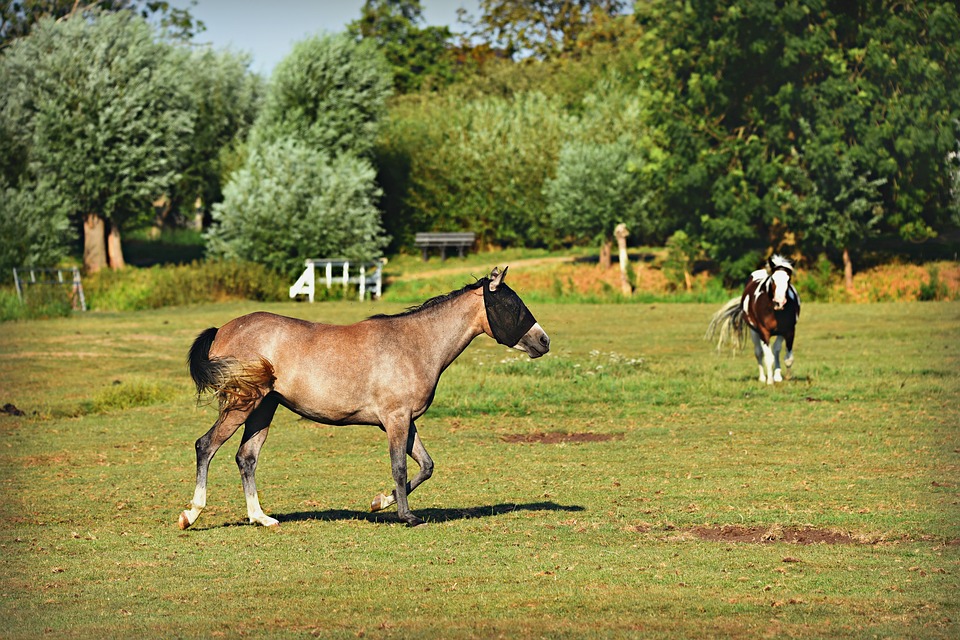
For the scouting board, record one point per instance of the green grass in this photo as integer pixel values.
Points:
(525, 539)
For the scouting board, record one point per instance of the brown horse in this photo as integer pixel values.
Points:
(382, 371)
(770, 307)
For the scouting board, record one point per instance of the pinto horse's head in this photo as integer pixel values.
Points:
(511, 322)
(781, 270)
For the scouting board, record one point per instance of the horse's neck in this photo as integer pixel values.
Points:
(446, 330)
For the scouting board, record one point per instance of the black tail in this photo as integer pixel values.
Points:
(205, 374)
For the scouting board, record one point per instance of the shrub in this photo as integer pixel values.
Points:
(199, 282)
(292, 202)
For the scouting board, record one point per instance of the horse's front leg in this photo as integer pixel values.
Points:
(788, 361)
(398, 429)
(777, 345)
(418, 452)
(758, 352)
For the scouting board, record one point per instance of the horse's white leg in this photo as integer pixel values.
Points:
(254, 435)
(777, 345)
(206, 447)
(415, 450)
(758, 352)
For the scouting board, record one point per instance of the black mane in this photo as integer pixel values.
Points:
(432, 302)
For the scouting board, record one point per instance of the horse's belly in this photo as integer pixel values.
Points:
(329, 413)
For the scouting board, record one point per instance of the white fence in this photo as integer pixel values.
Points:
(367, 275)
(27, 276)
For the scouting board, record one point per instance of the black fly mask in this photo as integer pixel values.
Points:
(509, 318)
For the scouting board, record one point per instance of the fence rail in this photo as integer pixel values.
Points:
(28, 276)
(367, 275)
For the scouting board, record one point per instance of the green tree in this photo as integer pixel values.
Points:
(596, 187)
(764, 103)
(478, 166)
(543, 28)
(17, 18)
(330, 93)
(291, 201)
(418, 56)
(307, 188)
(34, 224)
(227, 97)
(97, 104)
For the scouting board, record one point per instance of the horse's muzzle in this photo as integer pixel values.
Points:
(535, 342)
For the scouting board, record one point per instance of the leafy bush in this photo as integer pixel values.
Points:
(34, 226)
(817, 283)
(933, 289)
(292, 202)
(330, 94)
(199, 282)
(39, 302)
(597, 186)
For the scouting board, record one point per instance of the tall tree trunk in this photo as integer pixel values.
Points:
(605, 249)
(94, 243)
(114, 250)
(847, 270)
(621, 234)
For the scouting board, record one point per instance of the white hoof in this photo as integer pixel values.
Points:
(264, 520)
(382, 501)
(777, 376)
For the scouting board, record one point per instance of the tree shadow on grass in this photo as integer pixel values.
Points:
(428, 515)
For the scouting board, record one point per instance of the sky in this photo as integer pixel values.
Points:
(268, 29)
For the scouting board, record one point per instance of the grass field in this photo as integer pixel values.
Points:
(632, 483)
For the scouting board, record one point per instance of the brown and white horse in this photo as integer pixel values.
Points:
(382, 371)
(770, 308)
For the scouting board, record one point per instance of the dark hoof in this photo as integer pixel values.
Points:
(413, 521)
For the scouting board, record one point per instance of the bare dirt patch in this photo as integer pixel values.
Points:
(558, 437)
(776, 533)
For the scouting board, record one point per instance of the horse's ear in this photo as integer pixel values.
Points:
(770, 263)
(496, 277)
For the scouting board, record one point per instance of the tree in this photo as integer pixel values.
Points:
(34, 224)
(227, 97)
(307, 188)
(542, 28)
(874, 83)
(97, 104)
(418, 56)
(18, 18)
(330, 93)
(291, 201)
(596, 188)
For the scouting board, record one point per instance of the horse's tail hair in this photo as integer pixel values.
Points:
(728, 326)
(237, 385)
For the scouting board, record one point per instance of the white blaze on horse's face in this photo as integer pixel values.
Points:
(780, 286)
(534, 342)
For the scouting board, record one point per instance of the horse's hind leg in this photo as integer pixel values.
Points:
(206, 446)
(758, 352)
(254, 435)
(418, 452)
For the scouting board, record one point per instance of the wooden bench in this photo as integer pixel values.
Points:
(367, 275)
(429, 240)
